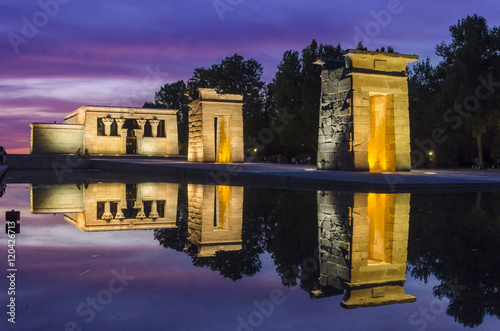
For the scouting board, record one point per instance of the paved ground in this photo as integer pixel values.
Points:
(62, 168)
(309, 176)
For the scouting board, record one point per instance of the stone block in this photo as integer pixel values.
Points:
(228, 109)
(353, 93)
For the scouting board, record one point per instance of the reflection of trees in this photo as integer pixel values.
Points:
(456, 238)
(280, 222)
(3, 186)
(295, 239)
(453, 237)
(230, 264)
(176, 238)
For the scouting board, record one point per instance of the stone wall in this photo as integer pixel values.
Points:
(108, 144)
(196, 143)
(335, 121)
(56, 138)
(63, 198)
(116, 192)
(334, 223)
(378, 275)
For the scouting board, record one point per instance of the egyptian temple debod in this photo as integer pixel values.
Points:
(215, 212)
(109, 131)
(364, 118)
(363, 121)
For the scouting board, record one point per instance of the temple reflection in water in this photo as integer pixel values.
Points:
(110, 206)
(363, 239)
(215, 212)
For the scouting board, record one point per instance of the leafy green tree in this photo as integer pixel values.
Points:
(173, 96)
(288, 101)
(297, 90)
(361, 47)
(389, 49)
(423, 85)
(235, 75)
(267, 141)
(294, 242)
(469, 59)
(176, 238)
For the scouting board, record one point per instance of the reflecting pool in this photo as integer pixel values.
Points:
(121, 255)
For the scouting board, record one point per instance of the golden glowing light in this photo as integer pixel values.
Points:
(224, 195)
(224, 148)
(381, 146)
(379, 251)
(380, 211)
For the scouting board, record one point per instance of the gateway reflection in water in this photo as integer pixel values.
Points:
(452, 261)
(215, 218)
(363, 239)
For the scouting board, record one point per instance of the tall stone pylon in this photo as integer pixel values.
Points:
(364, 118)
(215, 127)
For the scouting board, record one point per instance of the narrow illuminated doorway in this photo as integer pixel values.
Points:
(382, 144)
(222, 145)
(221, 207)
(380, 212)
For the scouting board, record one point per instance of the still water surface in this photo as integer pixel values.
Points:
(165, 256)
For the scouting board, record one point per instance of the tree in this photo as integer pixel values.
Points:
(389, 49)
(297, 90)
(267, 142)
(422, 88)
(467, 59)
(361, 47)
(295, 239)
(235, 75)
(311, 90)
(172, 96)
(288, 101)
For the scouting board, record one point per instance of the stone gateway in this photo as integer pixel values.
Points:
(364, 119)
(215, 127)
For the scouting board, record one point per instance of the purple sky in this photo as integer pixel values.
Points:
(58, 55)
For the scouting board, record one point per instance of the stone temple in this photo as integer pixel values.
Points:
(109, 131)
(364, 119)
